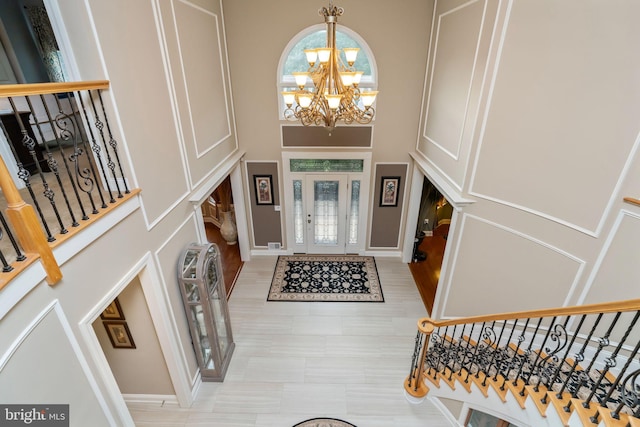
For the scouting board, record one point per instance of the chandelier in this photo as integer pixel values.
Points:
(335, 96)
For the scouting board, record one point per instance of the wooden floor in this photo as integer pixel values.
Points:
(299, 360)
(230, 257)
(427, 273)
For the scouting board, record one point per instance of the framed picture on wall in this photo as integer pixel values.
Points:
(119, 334)
(389, 191)
(113, 311)
(264, 189)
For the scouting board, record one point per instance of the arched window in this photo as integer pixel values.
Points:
(293, 58)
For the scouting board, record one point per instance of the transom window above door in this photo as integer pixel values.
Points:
(293, 58)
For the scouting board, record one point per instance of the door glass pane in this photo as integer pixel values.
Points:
(354, 212)
(298, 212)
(325, 208)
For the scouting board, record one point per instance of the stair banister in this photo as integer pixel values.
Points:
(540, 370)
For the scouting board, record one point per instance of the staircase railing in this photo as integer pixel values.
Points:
(62, 156)
(582, 359)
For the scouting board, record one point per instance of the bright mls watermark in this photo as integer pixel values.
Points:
(34, 415)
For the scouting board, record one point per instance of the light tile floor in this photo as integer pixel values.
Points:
(299, 360)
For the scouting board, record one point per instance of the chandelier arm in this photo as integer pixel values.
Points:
(329, 87)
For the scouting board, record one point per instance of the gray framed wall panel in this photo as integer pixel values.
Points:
(385, 220)
(267, 224)
(343, 136)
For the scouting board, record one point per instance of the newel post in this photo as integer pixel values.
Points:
(23, 218)
(414, 386)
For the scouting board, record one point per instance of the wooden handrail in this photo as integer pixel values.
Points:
(632, 200)
(607, 307)
(23, 218)
(47, 88)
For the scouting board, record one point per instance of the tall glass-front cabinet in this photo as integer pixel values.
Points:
(203, 293)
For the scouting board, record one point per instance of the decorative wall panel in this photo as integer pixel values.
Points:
(560, 137)
(454, 54)
(519, 283)
(200, 42)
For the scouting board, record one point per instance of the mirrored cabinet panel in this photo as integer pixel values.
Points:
(202, 287)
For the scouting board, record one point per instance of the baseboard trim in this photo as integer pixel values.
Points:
(159, 399)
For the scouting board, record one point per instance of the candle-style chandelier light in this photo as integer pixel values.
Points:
(335, 96)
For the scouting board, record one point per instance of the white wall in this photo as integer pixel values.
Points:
(530, 111)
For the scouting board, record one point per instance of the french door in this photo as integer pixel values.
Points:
(326, 213)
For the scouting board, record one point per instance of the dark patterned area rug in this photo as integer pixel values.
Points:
(324, 422)
(347, 278)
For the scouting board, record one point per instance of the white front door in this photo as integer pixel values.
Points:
(326, 213)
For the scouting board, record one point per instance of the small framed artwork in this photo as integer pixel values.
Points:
(113, 311)
(119, 334)
(389, 191)
(264, 189)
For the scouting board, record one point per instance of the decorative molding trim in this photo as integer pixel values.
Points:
(158, 399)
(185, 82)
(456, 155)
(205, 187)
(33, 275)
(383, 253)
(603, 252)
(607, 210)
(281, 195)
(459, 233)
(441, 181)
(435, 400)
(55, 307)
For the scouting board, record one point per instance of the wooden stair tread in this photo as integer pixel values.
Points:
(559, 404)
(497, 383)
(634, 422)
(479, 380)
(429, 376)
(448, 377)
(515, 391)
(536, 397)
(583, 413)
(609, 421)
(463, 379)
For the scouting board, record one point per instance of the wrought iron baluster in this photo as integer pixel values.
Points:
(68, 127)
(19, 255)
(48, 192)
(467, 354)
(536, 364)
(96, 150)
(23, 173)
(85, 177)
(579, 357)
(619, 376)
(475, 352)
(546, 366)
(610, 362)
(564, 358)
(508, 363)
(100, 126)
(453, 353)
(489, 338)
(440, 353)
(53, 163)
(114, 145)
(493, 356)
(414, 360)
(602, 343)
(527, 354)
(630, 395)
